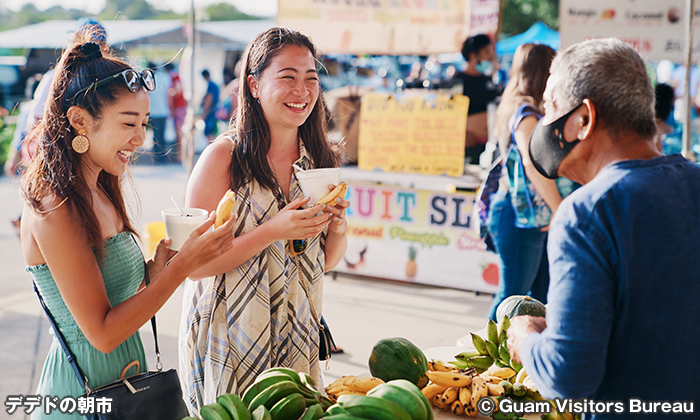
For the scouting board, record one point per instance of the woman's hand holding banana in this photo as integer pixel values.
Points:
(335, 204)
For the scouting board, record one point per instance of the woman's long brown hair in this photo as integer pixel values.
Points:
(56, 169)
(252, 133)
(528, 78)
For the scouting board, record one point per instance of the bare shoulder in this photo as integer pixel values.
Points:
(210, 177)
(53, 230)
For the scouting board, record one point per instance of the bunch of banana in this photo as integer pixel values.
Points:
(224, 210)
(489, 351)
(337, 192)
(351, 385)
(285, 395)
(395, 400)
(459, 391)
(226, 407)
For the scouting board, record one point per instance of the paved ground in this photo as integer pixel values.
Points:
(359, 311)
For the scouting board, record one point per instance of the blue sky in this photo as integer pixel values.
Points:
(256, 7)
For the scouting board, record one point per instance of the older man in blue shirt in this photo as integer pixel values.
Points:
(622, 319)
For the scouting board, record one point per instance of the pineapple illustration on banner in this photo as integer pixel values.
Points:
(411, 266)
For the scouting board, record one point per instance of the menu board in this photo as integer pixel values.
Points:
(413, 134)
(379, 26)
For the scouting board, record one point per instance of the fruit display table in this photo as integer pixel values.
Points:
(416, 228)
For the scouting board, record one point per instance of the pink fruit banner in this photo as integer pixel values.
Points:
(418, 236)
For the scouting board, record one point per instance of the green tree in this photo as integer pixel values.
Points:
(225, 11)
(519, 15)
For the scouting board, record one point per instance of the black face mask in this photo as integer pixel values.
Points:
(548, 147)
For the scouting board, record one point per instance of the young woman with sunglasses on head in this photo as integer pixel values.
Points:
(77, 237)
(252, 312)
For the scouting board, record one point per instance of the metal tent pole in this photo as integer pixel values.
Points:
(192, 43)
(690, 8)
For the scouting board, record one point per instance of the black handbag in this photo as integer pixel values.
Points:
(154, 395)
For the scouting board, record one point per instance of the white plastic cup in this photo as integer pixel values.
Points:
(179, 227)
(314, 182)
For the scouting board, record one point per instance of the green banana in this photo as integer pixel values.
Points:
(307, 379)
(313, 412)
(479, 344)
(519, 390)
(403, 397)
(466, 355)
(335, 409)
(504, 354)
(326, 402)
(286, 371)
(505, 324)
(191, 418)
(503, 338)
(290, 407)
(373, 408)
(481, 362)
(271, 395)
(492, 331)
(343, 416)
(411, 387)
(500, 364)
(515, 365)
(507, 386)
(214, 411)
(262, 384)
(261, 413)
(461, 364)
(492, 349)
(235, 407)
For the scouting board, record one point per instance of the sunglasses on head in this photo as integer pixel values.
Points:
(132, 78)
(297, 247)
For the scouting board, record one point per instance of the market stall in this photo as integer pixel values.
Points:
(411, 199)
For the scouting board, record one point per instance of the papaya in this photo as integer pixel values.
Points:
(398, 358)
(516, 305)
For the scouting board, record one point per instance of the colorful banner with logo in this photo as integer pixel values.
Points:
(415, 134)
(379, 26)
(416, 236)
(655, 28)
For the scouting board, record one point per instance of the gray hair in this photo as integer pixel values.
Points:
(613, 76)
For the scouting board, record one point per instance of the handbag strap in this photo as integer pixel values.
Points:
(302, 281)
(82, 379)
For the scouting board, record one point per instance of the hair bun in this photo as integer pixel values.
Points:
(91, 50)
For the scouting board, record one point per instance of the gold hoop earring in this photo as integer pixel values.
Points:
(80, 143)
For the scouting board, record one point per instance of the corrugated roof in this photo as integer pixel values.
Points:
(56, 33)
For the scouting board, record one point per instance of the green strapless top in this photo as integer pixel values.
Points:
(122, 270)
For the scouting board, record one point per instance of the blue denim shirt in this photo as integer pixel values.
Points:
(623, 318)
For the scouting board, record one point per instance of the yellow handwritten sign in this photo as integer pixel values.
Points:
(413, 135)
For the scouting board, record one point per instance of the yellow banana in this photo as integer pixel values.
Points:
(440, 366)
(432, 390)
(341, 381)
(529, 383)
(503, 373)
(349, 393)
(224, 210)
(494, 389)
(479, 390)
(520, 377)
(337, 192)
(450, 396)
(491, 379)
(457, 408)
(470, 410)
(465, 396)
(449, 379)
(363, 384)
(336, 389)
(437, 402)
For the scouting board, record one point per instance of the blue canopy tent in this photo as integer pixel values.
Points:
(539, 33)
